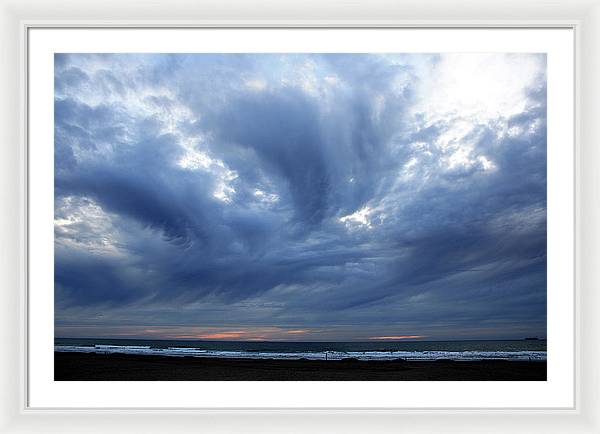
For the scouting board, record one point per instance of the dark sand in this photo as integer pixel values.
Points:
(122, 367)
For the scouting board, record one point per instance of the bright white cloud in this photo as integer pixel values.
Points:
(477, 87)
(360, 217)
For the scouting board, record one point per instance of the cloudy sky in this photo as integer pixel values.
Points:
(300, 196)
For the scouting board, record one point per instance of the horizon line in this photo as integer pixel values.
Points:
(311, 341)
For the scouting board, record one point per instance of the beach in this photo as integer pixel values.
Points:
(74, 366)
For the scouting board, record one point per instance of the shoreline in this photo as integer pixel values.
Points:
(71, 366)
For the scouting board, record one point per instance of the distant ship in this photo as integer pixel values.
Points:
(532, 339)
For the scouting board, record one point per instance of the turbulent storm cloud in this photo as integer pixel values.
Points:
(300, 196)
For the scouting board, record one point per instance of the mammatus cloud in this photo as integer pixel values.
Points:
(300, 196)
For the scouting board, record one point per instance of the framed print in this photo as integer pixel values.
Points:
(347, 208)
(239, 222)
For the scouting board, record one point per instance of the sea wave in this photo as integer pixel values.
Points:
(310, 355)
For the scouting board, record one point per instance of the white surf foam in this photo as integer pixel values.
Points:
(317, 355)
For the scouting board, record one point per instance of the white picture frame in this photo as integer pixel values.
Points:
(15, 20)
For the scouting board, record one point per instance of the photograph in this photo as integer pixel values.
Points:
(300, 216)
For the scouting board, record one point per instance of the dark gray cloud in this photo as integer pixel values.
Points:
(335, 194)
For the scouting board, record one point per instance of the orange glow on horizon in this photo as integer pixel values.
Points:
(394, 338)
(257, 334)
(222, 335)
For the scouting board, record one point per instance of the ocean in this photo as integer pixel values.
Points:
(534, 350)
